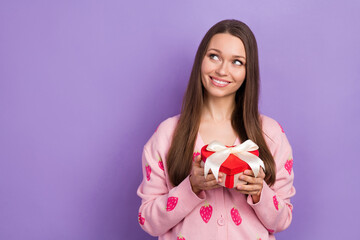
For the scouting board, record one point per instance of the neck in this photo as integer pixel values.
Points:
(218, 109)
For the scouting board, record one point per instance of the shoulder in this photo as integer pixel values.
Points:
(275, 138)
(162, 136)
(270, 127)
(168, 125)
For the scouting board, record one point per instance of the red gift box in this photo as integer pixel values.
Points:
(231, 167)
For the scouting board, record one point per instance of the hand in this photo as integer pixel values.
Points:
(253, 185)
(198, 180)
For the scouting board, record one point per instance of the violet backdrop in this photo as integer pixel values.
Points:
(84, 84)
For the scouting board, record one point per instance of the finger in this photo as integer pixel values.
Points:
(197, 161)
(198, 171)
(248, 179)
(210, 177)
(249, 172)
(249, 193)
(248, 188)
(211, 185)
(219, 173)
(261, 173)
(195, 154)
(220, 177)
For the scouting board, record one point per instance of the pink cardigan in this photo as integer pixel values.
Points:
(177, 213)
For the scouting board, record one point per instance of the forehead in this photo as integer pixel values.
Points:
(227, 44)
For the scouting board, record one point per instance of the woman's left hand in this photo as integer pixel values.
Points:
(254, 184)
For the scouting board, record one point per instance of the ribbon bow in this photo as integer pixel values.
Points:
(222, 152)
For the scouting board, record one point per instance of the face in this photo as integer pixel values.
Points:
(223, 67)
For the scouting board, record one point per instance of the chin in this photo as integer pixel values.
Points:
(216, 94)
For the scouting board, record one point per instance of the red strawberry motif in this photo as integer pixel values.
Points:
(235, 215)
(271, 231)
(180, 237)
(281, 128)
(148, 171)
(276, 203)
(289, 165)
(161, 164)
(171, 203)
(206, 212)
(195, 154)
(141, 219)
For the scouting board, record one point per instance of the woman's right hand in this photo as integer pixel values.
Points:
(198, 180)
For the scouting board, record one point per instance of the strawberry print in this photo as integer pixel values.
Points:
(235, 215)
(161, 164)
(271, 231)
(195, 154)
(148, 171)
(180, 237)
(289, 165)
(281, 128)
(206, 212)
(141, 219)
(276, 203)
(171, 203)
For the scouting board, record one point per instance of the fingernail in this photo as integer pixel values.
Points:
(239, 187)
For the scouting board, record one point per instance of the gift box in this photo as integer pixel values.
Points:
(231, 161)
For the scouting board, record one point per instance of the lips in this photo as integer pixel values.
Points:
(219, 82)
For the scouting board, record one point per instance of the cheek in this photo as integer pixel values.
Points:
(240, 76)
(206, 67)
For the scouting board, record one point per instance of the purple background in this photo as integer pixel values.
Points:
(84, 84)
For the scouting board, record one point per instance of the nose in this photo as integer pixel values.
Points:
(222, 69)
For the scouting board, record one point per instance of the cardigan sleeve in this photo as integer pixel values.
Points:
(274, 209)
(162, 207)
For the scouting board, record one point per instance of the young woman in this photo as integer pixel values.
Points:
(221, 103)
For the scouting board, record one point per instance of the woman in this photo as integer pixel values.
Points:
(221, 103)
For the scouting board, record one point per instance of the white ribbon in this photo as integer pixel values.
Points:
(222, 152)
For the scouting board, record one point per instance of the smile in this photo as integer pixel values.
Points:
(219, 82)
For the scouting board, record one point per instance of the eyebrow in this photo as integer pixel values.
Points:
(217, 50)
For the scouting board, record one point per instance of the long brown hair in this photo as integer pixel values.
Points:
(245, 118)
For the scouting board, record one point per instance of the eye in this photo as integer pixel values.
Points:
(214, 56)
(237, 62)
